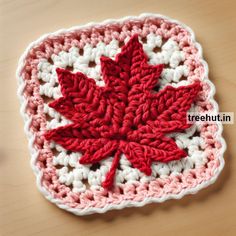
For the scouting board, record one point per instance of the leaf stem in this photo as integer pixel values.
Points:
(108, 182)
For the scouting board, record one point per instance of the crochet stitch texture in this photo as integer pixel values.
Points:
(52, 65)
(123, 116)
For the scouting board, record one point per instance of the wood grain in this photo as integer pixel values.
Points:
(24, 211)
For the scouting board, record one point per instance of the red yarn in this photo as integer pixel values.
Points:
(126, 116)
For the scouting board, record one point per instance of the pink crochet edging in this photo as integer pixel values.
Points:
(135, 192)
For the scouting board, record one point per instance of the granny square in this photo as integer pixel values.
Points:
(105, 108)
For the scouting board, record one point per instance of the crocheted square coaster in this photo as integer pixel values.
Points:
(105, 109)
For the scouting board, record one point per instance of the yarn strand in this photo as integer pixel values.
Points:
(108, 182)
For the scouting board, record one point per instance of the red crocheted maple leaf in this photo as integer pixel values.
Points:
(125, 116)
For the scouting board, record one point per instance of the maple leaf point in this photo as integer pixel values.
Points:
(125, 116)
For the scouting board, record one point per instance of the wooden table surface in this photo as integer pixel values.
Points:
(24, 211)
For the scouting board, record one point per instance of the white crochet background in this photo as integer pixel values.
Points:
(80, 177)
